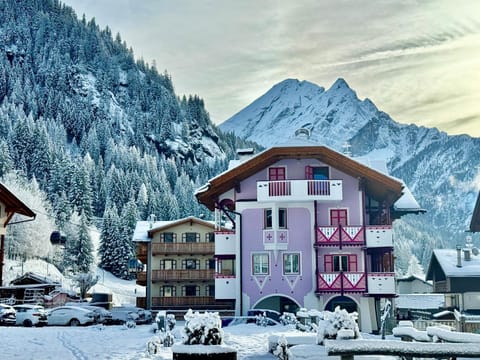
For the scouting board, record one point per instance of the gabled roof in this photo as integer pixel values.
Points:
(14, 204)
(378, 185)
(446, 259)
(475, 222)
(144, 230)
(33, 278)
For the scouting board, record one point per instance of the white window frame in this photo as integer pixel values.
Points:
(289, 257)
(261, 256)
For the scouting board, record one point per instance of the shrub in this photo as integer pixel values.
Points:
(203, 329)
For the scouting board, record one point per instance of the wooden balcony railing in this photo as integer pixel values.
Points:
(340, 236)
(178, 275)
(341, 282)
(183, 248)
(183, 301)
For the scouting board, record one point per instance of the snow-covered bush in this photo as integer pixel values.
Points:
(203, 329)
(282, 351)
(332, 322)
(288, 319)
(261, 320)
(304, 321)
(171, 321)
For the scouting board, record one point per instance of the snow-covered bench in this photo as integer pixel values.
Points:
(407, 332)
(446, 335)
(347, 349)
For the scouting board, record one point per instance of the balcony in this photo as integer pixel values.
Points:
(183, 248)
(225, 287)
(340, 236)
(381, 283)
(191, 301)
(180, 275)
(300, 190)
(224, 242)
(379, 236)
(341, 282)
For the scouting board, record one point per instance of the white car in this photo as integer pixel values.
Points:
(70, 315)
(30, 315)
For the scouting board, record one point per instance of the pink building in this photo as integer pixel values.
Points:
(310, 228)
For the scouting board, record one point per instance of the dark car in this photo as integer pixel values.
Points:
(125, 313)
(271, 314)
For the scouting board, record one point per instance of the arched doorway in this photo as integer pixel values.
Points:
(280, 304)
(344, 303)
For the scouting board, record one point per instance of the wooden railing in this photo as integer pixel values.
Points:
(183, 301)
(165, 275)
(341, 281)
(340, 235)
(183, 248)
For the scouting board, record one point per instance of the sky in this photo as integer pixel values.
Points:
(417, 60)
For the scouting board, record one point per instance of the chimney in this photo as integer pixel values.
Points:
(459, 256)
(244, 154)
(466, 254)
(151, 220)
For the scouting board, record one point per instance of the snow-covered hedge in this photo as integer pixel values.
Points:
(332, 322)
(202, 329)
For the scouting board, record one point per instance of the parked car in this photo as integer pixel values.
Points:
(70, 315)
(7, 315)
(237, 320)
(272, 314)
(30, 315)
(102, 315)
(124, 313)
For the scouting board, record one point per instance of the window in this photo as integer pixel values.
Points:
(276, 173)
(317, 173)
(338, 217)
(168, 237)
(168, 264)
(167, 290)
(210, 290)
(226, 267)
(282, 218)
(260, 264)
(268, 218)
(210, 237)
(190, 290)
(291, 264)
(191, 264)
(210, 264)
(191, 237)
(337, 263)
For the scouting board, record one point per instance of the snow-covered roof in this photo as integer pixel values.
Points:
(143, 228)
(419, 301)
(447, 259)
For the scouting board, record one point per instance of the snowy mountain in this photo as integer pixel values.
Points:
(442, 171)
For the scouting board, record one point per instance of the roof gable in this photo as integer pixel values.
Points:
(475, 222)
(378, 185)
(13, 204)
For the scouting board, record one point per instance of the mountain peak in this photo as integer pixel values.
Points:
(340, 83)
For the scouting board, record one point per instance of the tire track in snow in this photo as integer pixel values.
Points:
(76, 352)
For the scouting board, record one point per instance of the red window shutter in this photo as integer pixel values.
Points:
(338, 217)
(327, 262)
(352, 263)
(308, 172)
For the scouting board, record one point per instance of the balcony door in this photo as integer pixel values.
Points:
(338, 217)
(277, 186)
(319, 174)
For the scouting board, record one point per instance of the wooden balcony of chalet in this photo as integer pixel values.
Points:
(178, 275)
(179, 301)
(183, 248)
(300, 190)
(341, 282)
(370, 236)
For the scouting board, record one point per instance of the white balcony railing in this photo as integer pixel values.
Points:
(225, 287)
(381, 283)
(300, 190)
(224, 243)
(379, 236)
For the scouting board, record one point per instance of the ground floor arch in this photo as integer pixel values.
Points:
(344, 302)
(278, 303)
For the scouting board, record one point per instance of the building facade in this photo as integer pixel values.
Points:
(179, 265)
(310, 228)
